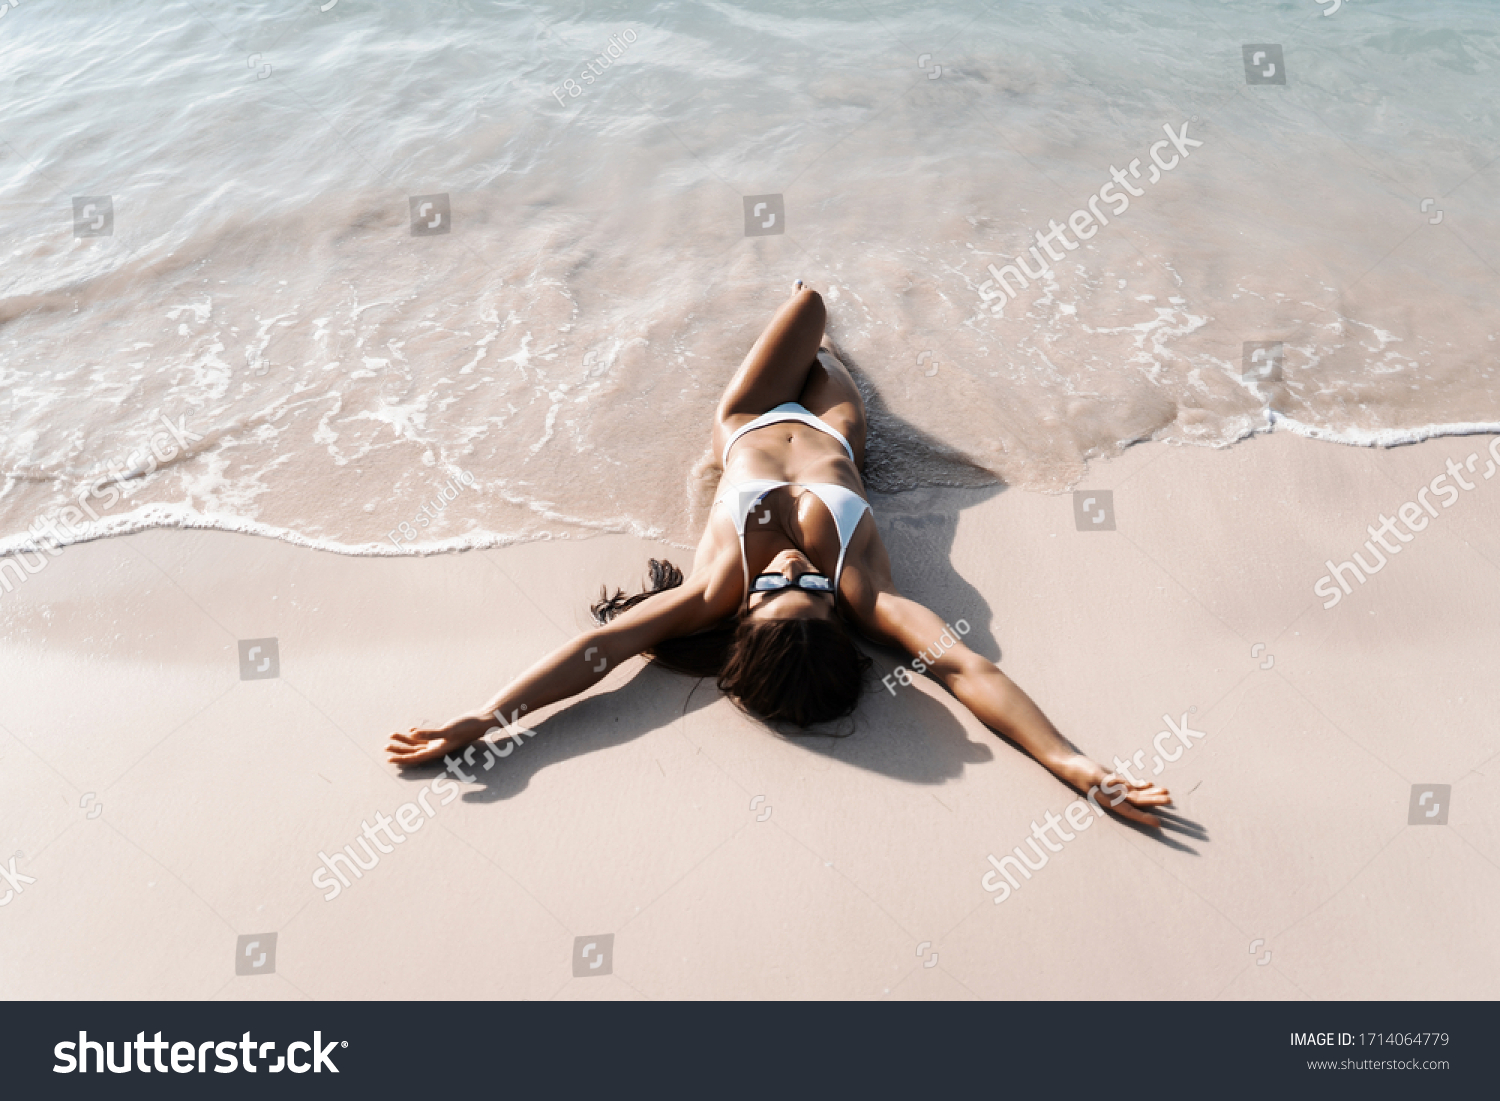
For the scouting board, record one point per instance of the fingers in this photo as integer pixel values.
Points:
(1140, 792)
(1152, 796)
(1125, 810)
(416, 739)
(415, 748)
(412, 756)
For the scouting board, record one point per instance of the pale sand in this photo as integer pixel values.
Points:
(631, 813)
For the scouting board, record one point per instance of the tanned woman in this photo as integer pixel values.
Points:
(789, 570)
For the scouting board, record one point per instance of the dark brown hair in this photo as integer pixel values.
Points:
(799, 671)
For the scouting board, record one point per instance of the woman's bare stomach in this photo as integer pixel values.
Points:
(789, 452)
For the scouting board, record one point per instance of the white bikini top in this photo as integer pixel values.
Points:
(845, 506)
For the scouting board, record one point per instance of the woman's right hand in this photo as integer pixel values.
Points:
(1116, 793)
(421, 744)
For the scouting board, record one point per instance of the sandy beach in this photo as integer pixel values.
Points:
(160, 812)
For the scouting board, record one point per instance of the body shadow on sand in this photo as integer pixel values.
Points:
(909, 736)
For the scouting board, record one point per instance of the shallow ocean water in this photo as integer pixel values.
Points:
(266, 284)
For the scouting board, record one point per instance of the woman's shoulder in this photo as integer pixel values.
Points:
(717, 577)
(867, 574)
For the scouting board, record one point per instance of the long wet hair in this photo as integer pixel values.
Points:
(797, 671)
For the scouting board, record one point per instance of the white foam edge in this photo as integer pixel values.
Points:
(1381, 437)
(181, 516)
(150, 517)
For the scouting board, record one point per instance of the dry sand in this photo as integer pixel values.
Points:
(640, 811)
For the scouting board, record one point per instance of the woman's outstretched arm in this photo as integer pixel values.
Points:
(573, 667)
(1000, 704)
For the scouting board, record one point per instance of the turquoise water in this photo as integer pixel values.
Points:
(566, 338)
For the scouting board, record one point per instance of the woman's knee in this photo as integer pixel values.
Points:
(810, 303)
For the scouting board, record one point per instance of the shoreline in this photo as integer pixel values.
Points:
(185, 518)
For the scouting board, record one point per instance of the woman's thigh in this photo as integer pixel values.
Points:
(777, 366)
(831, 394)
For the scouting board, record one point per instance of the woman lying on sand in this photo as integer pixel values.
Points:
(789, 563)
